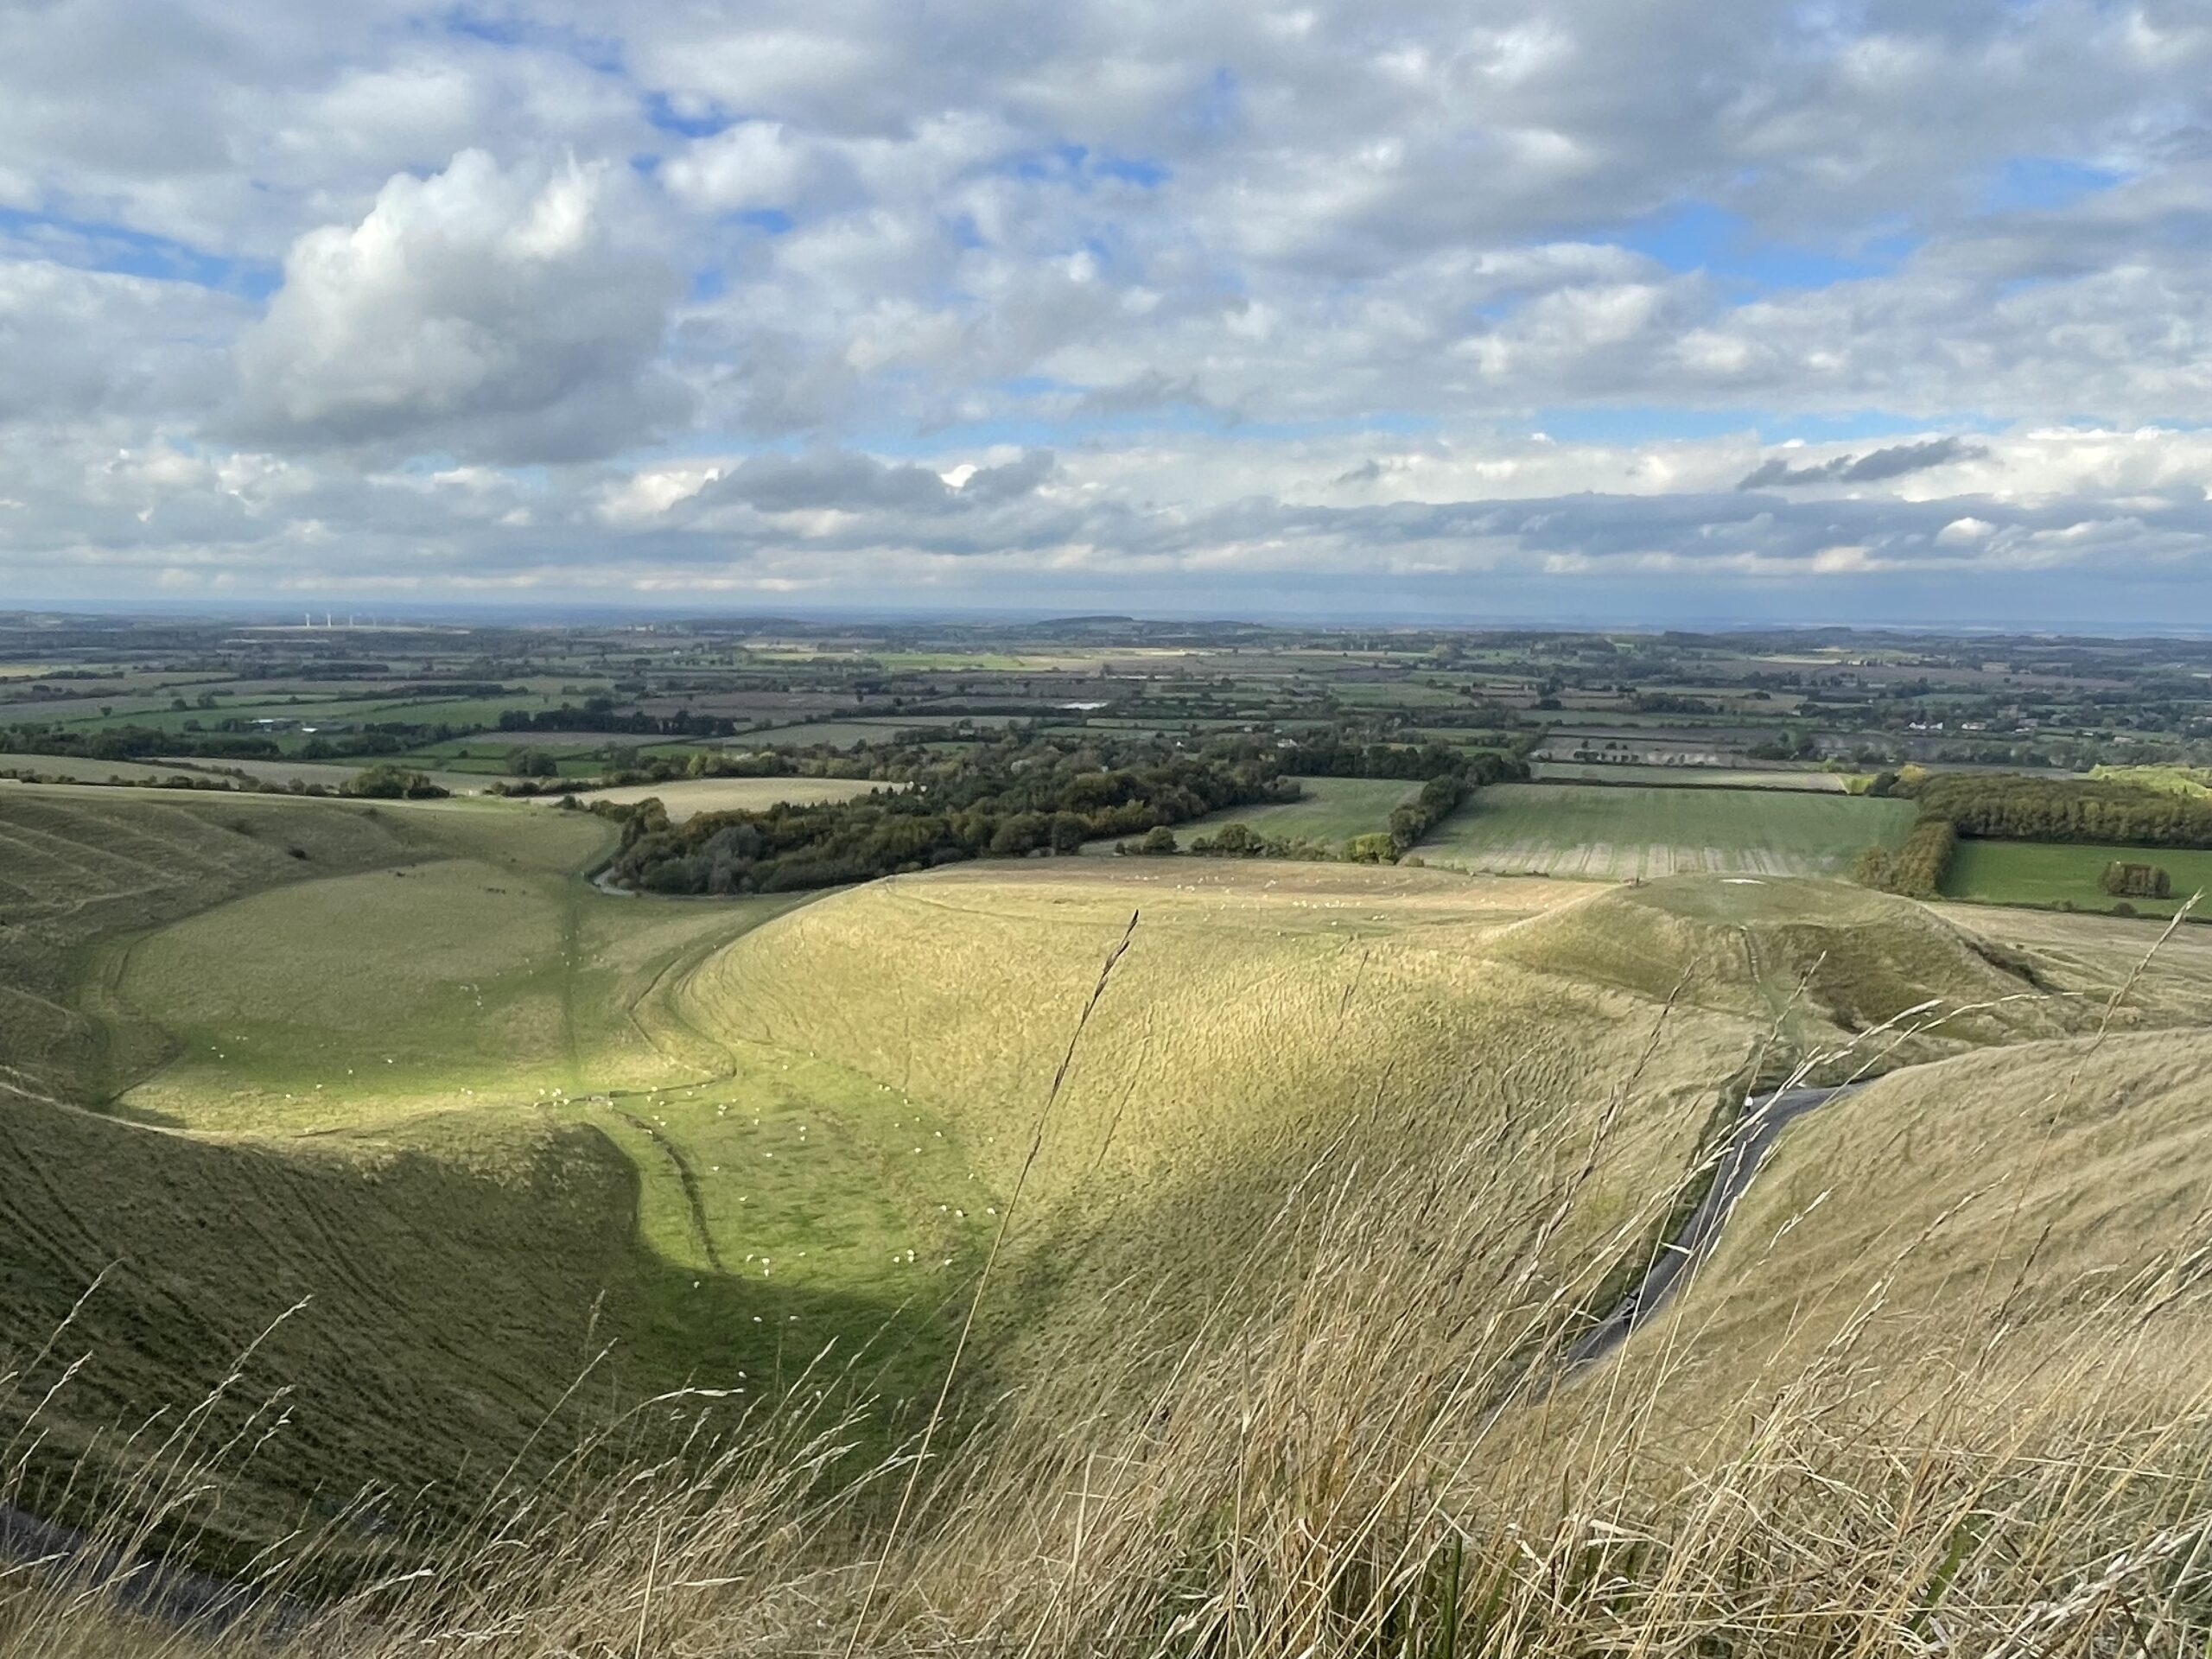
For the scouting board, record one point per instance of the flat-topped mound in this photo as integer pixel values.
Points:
(1806, 952)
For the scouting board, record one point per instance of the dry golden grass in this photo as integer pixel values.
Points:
(1275, 1365)
(1369, 1457)
(2011, 1191)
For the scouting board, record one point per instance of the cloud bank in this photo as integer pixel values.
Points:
(1736, 307)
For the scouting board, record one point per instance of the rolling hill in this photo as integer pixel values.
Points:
(394, 1085)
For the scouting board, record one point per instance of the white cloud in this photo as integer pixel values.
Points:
(490, 313)
(1280, 290)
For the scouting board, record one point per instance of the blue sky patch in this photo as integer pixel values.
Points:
(2027, 183)
(1699, 235)
(90, 247)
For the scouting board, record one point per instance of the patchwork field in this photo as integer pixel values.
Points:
(1616, 834)
(2037, 873)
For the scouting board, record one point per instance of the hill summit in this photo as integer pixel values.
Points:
(1828, 960)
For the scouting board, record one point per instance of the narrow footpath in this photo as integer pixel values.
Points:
(1755, 1133)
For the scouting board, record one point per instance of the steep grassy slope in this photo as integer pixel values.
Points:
(78, 867)
(1274, 1025)
(431, 1296)
(1973, 1217)
(369, 1090)
(1251, 999)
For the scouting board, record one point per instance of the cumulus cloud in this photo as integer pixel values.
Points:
(487, 312)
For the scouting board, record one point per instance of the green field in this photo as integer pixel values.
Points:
(2037, 873)
(1621, 833)
(1329, 811)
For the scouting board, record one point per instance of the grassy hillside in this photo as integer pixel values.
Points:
(432, 1294)
(84, 866)
(1620, 833)
(412, 1072)
(1340, 1150)
(1974, 1215)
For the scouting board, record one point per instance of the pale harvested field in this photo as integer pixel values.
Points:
(1602, 834)
(77, 769)
(689, 797)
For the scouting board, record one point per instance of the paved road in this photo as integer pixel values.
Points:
(1755, 1133)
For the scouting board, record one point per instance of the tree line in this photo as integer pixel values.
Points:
(2010, 806)
(1009, 798)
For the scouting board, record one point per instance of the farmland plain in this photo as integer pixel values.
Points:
(1618, 834)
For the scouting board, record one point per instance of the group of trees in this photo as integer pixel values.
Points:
(1329, 754)
(389, 783)
(1006, 800)
(536, 772)
(1915, 867)
(2128, 879)
(599, 714)
(133, 743)
(2011, 806)
(1241, 841)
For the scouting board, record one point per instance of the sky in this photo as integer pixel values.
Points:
(1892, 311)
